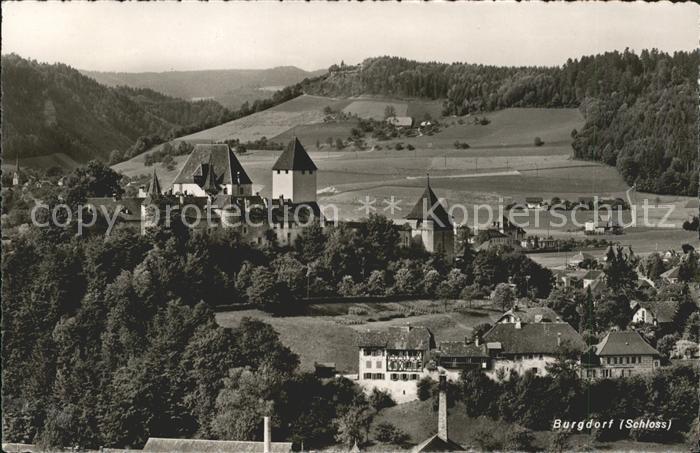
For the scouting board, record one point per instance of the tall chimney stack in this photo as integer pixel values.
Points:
(267, 436)
(442, 408)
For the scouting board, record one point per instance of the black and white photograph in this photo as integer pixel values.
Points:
(286, 226)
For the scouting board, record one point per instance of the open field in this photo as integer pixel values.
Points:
(333, 342)
(502, 165)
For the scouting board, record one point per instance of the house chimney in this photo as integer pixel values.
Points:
(442, 409)
(267, 436)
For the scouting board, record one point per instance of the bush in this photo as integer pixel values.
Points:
(558, 442)
(486, 440)
(410, 147)
(538, 141)
(380, 399)
(398, 147)
(390, 434)
(518, 438)
(425, 388)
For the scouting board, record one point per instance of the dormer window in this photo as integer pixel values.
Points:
(286, 172)
(278, 172)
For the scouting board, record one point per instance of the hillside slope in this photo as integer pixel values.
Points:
(616, 92)
(230, 87)
(50, 109)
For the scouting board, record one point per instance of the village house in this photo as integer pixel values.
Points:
(534, 202)
(394, 359)
(620, 354)
(656, 313)
(593, 278)
(528, 315)
(520, 347)
(580, 257)
(672, 275)
(400, 121)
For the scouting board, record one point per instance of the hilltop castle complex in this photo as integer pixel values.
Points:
(213, 189)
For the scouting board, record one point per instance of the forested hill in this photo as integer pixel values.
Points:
(640, 110)
(52, 108)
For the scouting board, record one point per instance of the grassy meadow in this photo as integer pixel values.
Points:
(502, 164)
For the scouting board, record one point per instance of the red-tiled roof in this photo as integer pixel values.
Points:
(626, 342)
(533, 338)
(294, 157)
(404, 337)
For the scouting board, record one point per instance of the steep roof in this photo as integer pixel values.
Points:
(294, 157)
(533, 314)
(533, 338)
(437, 443)
(429, 207)
(672, 273)
(462, 349)
(593, 275)
(154, 186)
(159, 444)
(402, 337)
(227, 168)
(626, 342)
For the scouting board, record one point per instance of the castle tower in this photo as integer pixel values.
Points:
(431, 225)
(294, 175)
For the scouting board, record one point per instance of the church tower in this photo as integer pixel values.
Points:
(294, 175)
(430, 224)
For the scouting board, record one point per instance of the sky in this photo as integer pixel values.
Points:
(165, 36)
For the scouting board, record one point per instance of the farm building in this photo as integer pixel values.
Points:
(400, 121)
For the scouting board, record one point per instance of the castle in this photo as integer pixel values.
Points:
(213, 189)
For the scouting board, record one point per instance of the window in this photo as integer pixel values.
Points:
(240, 191)
(394, 376)
(378, 375)
(303, 172)
(534, 369)
(367, 376)
(311, 172)
(368, 364)
(286, 172)
(379, 363)
(627, 360)
(414, 377)
(541, 357)
(530, 356)
(608, 359)
(404, 377)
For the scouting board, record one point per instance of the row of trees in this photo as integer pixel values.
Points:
(533, 402)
